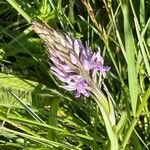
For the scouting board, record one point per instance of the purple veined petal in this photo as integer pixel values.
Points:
(100, 68)
(97, 59)
(94, 76)
(84, 60)
(81, 88)
(93, 58)
(86, 64)
(82, 57)
(84, 54)
(85, 93)
(61, 78)
(81, 47)
(104, 70)
(88, 54)
(68, 87)
(76, 47)
(73, 58)
(61, 64)
(55, 69)
(65, 67)
(73, 79)
(107, 68)
(77, 94)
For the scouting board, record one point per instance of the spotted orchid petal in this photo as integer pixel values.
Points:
(69, 87)
(104, 70)
(61, 78)
(55, 69)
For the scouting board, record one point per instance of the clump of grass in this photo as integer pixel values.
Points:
(33, 105)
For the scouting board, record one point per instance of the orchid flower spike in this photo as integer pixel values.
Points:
(73, 64)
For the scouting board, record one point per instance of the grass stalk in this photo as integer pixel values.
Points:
(142, 14)
(135, 120)
(131, 54)
(52, 120)
(43, 141)
(19, 9)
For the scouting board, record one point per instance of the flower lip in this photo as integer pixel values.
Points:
(78, 84)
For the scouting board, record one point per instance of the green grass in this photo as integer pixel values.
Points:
(35, 113)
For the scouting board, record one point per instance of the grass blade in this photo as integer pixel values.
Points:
(19, 9)
(130, 53)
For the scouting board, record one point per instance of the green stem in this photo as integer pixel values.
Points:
(38, 139)
(52, 120)
(142, 13)
(134, 122)
(71, 11)
(110, 131)
(106, 109)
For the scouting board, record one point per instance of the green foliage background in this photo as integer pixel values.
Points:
(35, 113)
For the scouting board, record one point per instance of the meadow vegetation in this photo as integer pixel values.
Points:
(36, 113)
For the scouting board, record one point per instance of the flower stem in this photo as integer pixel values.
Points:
(110, 131)
(106, 109)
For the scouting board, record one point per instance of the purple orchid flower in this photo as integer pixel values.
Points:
(78, 54)
(91, 62)
(97, 62)
(78, 84)
(72, 82)
(68, 56)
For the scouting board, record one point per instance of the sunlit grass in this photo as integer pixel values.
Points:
(36, 113)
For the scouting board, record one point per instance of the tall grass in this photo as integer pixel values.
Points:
(36, 113)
